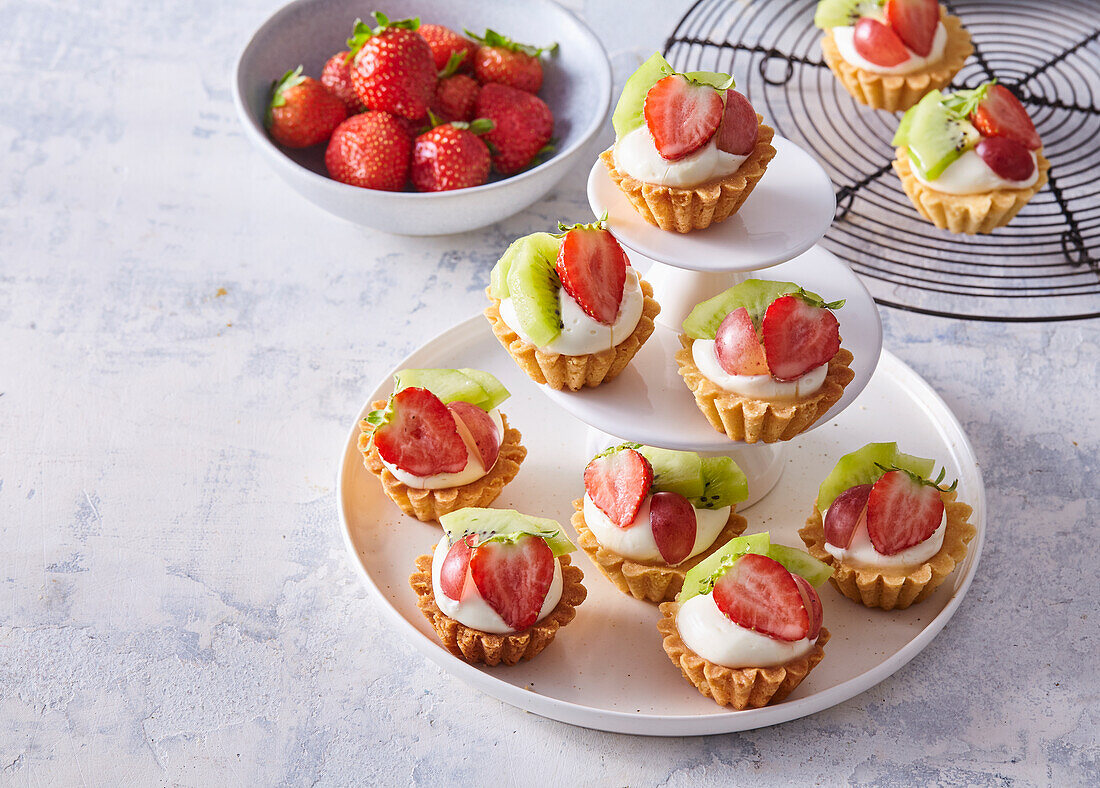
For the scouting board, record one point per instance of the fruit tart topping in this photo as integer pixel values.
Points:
(418, 434)
(755, 295)
(739, 128)
(481, 430)
(724, 484)
(674, 471)
(513, 573)
(1006, 157)
(812, 602)
(800, 334)
(700, 579)
(455, 570)
(479, 525)
(618, 481)
(392, 68)
(542, 245)
(904, 509)
(672, 518)
(915, 22)
(522, 125)
(532, 283)
(682, 115)
(302, 111)
(878, 43)
(1000, 114)
(501, 60)
(738, 346)
(865, 466)
(844, 13)
(759, 593)
(450, 385)
(844, 515)
(592, 268)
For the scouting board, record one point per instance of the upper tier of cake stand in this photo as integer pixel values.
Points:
(649, 402)
(788, 212)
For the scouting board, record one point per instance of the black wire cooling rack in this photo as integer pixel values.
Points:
(1045, 265)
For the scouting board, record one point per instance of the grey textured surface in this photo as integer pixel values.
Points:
(175, 602)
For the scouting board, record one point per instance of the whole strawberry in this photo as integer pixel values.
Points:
(392, 68)
(522, 124)
(302, 111)
(445, 44)
(451, 156)
(501, 60)
(336, 76)
(455, 97)
(371, 150)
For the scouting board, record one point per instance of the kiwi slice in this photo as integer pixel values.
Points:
(862, 467)
(801, 563)
(700, 578)
(533, 285)
(724, 482)
(753, 294)
(485, 523)
(495, 393)
(543, 244)
(901, 136)
(844, 13)
(450, 385)
(629, 111)
(675, 471)
(936, 137)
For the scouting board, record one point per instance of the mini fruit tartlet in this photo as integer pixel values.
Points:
(764, 360)
(569, 307)
(649, 515)
(890, 532)
(439, 443)
(498, 586)
(746, 628)
(969, 160)
(688, 148)
(889, 54)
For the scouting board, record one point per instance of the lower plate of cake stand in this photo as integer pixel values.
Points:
(606, 669)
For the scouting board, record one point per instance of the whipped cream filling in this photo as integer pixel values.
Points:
(580, 333)
(845, 44)
(636, 541)
(755, 386)
(473, 610)
(472, 471)
(861, 553)
(710, 633)
(969, 174)
(636, 155)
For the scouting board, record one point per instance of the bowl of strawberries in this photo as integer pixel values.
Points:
(423, 117)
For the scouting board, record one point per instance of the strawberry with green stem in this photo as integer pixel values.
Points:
(501, 60)
(392, 67)
(451, 156)
(522, 125)
(302, 112)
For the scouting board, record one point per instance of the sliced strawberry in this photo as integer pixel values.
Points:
(420, 436)
(592, 269)
(902, 512)
(812, 602)
(844, 515)
(672, 519)
(618, 483)
(738, 346)
(1006, 157)
(455, 569)
(798, 337)
(1000, 114)
(915, 23)
(482, 431)
(878, 44)
(681, 116)
(759, 593)
(739, 128)
(514, 578)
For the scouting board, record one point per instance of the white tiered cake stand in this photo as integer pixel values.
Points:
(607, 669)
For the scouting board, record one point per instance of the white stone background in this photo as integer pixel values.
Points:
(175, 603)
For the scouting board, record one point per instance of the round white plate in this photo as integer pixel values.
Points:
(606, 669)
(649, 402)
(762, 233)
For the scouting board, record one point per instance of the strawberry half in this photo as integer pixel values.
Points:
(513, 578)
(738, 346)
(618, 483)
(798, 336)
(681, 115)
(915, 23)
(878, 43)
(1000, 114)
(759, 593)
(455, 570)
(902, 512)
(672, 519)
(481, 429)
(592, 268)
(419, 435)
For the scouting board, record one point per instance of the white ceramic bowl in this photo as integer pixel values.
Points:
(576, 87)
